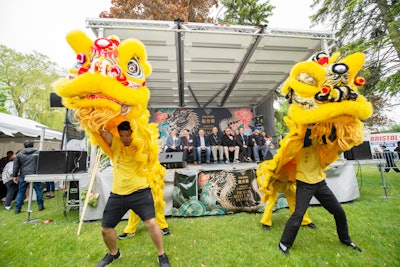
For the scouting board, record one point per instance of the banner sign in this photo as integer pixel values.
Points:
(216, 192)
(194, 119)
(389, 140)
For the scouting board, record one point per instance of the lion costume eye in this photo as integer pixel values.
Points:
(134, 69)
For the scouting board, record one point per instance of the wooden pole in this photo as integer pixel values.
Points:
(92, 178)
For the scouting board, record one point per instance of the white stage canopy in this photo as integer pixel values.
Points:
(199, 65)
(15, 130)
(14, 126)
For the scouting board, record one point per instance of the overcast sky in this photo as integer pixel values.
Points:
(41, 25)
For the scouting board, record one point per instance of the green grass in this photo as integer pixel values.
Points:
(230, 240)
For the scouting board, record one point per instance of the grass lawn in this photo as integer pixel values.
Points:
(230, 240)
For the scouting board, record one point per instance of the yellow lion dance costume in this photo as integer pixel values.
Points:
(107, 86)
(321, 92)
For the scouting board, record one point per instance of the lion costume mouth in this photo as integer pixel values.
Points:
(322, 90)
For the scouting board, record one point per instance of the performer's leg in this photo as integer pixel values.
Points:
(304, 193)
(155, 234)
(133, 221)
(266, 219)
(160, 216)
(328, 200)
(290, 193)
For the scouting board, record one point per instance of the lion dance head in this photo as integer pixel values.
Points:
(106, 86)
(322, 92)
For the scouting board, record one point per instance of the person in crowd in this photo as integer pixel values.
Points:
(229, 145)
(50, 188)
(3, 162)
(216, 147)
(397, 150)
(6, 159)
(8, 181)
(310, 181)
(188, 146)
(173, 142)
(130, 190)
(389, 157)
(160, 142)
(244, 143)
(258, 142)
(203, 145)
(25, 164)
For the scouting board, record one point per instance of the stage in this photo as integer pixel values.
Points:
(341, 179)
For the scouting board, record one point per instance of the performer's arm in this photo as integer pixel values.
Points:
(107, 136)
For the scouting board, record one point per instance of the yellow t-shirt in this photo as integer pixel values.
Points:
(126, 179)
(308, 169)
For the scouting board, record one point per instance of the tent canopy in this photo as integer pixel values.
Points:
(13, 126)
(201, 65)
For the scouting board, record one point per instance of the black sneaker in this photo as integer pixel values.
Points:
(41, 208)
(283, 248)
(163, 260)
(266, 227)
(312, 226)
(126, 235)
(354, 246)
(165, 231)
(108, 258)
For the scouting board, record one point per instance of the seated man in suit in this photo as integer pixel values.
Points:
(203, 144)
(173, 142)
(216, 147)
(188, 146)
(244, 143)
(258, 142)
(229, 144)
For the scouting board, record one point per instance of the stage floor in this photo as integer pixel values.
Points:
(212, 167)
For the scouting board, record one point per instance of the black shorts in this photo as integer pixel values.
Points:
(141, 202)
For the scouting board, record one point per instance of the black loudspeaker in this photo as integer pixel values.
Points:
(171, 160)
(360, 152)
(55, 101)
(76, 161)
(61, 161)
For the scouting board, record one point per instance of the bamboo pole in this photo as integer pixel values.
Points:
(92, 178)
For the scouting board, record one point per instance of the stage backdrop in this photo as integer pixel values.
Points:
(194, 119)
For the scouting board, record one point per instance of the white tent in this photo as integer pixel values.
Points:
(15, 130)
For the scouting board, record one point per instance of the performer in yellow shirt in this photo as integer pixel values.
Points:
(130, 190)
(310, 181)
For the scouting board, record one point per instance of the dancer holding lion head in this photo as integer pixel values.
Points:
(324, 119)
(107, 91)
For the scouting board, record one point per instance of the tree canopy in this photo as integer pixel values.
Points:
(25, 86)
(246, 12)
(372, 27)
(193, 11)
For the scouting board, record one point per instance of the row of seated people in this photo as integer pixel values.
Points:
(244, 148)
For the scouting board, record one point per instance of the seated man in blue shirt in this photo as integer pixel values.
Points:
(203, 144)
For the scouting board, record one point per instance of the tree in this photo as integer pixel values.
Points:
(372, 27)
(281, 128)
(193, 11)
(246, 12)
(25, 82)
